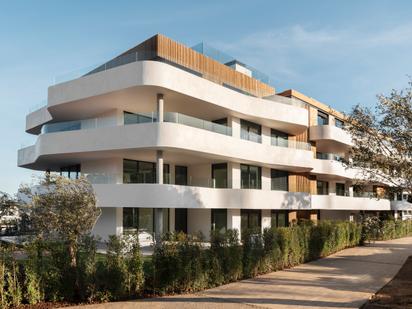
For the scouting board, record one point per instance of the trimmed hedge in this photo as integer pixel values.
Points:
(179, 265)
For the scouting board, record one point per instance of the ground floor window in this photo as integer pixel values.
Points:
(250, 219)
(142, 220)
(279, 218)
(71, 172)
(219, 220)
(181, 220)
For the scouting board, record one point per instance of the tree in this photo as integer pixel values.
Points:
(63, 209)
(382, 139)
(9, 210)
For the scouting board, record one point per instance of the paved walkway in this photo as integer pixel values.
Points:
(343, 280)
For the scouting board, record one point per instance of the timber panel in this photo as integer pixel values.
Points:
(302, 182)
(160, 46)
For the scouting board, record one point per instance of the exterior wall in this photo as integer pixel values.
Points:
(199, 220)
(200, 175)
(233, 219)
(109, 223)
(266, 219)
(342, 215)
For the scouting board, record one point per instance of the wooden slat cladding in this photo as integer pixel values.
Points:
(160, 46)
(302, 182)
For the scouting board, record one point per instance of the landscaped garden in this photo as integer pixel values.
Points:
(43, 271)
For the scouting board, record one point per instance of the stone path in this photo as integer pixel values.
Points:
(343, 280)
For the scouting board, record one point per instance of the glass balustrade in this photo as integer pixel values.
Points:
(280, 142)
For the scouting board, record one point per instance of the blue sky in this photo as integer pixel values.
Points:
(339, 52)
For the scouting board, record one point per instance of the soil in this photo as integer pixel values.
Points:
(397, 293)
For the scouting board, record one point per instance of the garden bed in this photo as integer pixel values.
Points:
(397, 293)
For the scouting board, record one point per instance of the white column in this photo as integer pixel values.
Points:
(159, 166)
(158, 214)
(332, 187)
(119, 221)
(234, 122)
(266, 219)
(266, 136)
(266, 179)
(234, 175)
(160, 107)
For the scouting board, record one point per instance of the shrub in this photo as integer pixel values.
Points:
(252, 252)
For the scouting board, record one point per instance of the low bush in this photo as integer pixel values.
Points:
(180, 263)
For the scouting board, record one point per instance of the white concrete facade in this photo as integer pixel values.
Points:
(186, 160)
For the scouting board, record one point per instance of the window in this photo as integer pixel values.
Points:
(219, 220)
(250, 219)
(222, 121)
(340, 189)
(250, 131)
(166, 174)
(181, 220)
(322, 187)
(138, 172)
(181, 175)
(143, 172)
(339, 123)
(321, 155)
(219, 175)
(142, 219)
(138, 219)
(131, 118)
(71, 172)
(279, 138)
(250, 176)
(279, 180)
(322, 118)
(279, 218)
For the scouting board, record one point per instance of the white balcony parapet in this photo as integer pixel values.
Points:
(335, 202)
(174, 196)
(330, 132)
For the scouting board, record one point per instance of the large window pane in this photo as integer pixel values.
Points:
(181, 220)
(219, 220)
(139, 172)
(72, 171)
(279, 138)
(131, 118)
(250, 131)
(323, 118)
(250, 219)
(181, 175)
(279, 180)
(250, 176)
(145, 219)
(340, 189)
(166, 174)
(322, 187)
(279, 218)
(219, 175)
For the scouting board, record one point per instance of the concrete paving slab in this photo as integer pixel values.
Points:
(343, 280)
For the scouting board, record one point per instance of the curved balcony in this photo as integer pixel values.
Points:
(333, 168)
(141, 81)
(36, 119)
(79, 144)
(174, 196)
(335, 202)
(330, 138)
(401, 205)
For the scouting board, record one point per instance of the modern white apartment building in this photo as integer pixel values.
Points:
(190, 139)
